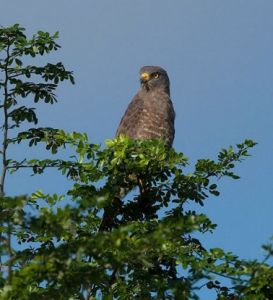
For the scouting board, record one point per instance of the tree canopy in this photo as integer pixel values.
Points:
(55, 247)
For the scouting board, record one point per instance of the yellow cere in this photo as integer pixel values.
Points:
(145, 76)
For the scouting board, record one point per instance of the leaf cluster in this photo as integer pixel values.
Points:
(148, 250)
(22, 80)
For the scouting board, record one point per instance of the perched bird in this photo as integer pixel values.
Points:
(150, 115)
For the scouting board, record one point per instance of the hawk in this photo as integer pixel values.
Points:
(150, 115)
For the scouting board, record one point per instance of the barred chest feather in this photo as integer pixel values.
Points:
(150, 115)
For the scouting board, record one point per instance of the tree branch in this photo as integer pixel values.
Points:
(5, 135)
(5, 127)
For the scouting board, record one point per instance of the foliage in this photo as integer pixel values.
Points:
(22, 81)
(123, 230)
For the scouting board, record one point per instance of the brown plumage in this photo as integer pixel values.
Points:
(150, 115)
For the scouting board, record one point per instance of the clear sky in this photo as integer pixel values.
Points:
(219, 56)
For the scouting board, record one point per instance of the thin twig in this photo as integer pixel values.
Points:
(5, 135)
(5, 127)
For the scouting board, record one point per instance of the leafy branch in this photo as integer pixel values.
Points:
(14, 46)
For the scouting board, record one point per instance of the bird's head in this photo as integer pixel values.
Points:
(153, 77)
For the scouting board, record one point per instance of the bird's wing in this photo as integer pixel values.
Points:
(129, 122)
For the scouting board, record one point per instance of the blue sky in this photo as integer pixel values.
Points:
(220, 62)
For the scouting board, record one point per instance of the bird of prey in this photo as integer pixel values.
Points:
(150, 115)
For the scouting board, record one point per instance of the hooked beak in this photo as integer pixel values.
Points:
(144, 77)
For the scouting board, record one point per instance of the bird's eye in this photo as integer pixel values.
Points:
(156, 75)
